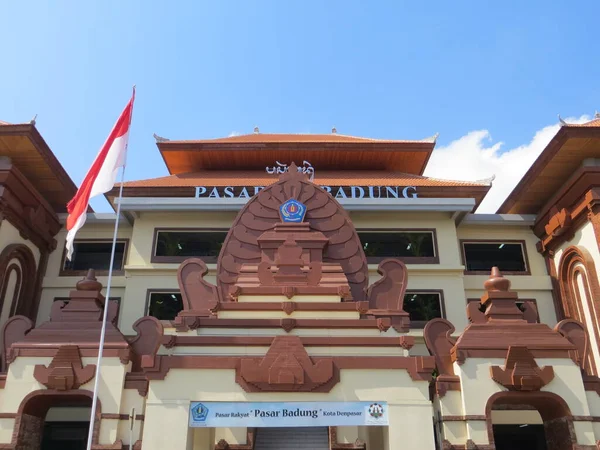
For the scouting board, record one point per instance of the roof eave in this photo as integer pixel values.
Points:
(564, 133)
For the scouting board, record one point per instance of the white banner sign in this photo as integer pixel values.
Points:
(298, 414)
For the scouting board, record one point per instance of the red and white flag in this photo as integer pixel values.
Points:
(102, 175)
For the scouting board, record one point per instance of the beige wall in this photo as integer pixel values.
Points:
(409, 406)
(447, 276)
(536, 286)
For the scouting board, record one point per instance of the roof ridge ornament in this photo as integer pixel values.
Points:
(487, 181)
(562, 122)
(32, 121)
(159, 138)
(596, 115)
(256, 130)
(431, 139)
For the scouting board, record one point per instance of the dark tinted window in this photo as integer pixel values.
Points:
(481, 257)
(397, 244)
(423, 306)
(95, 255)
(165, 306)
(189, 243)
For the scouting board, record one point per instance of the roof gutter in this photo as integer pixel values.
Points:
(458, 206)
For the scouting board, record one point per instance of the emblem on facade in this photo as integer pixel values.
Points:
(280, 168)
(376, 410)
(292, 211)
(199, 412)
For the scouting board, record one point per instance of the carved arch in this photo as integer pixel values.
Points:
(324, 214)
(554, 410)
(33, 410)
(577, 262)
(22, 302)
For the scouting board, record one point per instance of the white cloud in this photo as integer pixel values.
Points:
(475, 156)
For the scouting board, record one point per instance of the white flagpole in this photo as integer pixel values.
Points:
(103, 331)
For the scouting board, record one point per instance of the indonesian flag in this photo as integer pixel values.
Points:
(101, 176)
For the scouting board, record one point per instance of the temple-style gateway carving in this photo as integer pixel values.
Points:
(319, 309)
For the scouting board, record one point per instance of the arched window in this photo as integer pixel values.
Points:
(580, 296)
(17, 282)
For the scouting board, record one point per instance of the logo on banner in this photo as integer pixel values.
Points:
(199, 413)
(292, 211)
(376, 410)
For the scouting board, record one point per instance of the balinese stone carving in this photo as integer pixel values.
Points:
(14, 330)
(78, 321)
(286, 368)
(521, 372)
(324, 216)
(66, 371)
(576, 334)
(386, 295)
(198, 294)
(147, 342)
(439, 341)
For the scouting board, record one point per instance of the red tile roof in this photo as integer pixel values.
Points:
(327, 178)
(290, 138)
(592, 123)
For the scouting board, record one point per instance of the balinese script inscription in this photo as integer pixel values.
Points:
(373, 192)
(280, 168)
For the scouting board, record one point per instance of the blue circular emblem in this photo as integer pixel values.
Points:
(292, 211)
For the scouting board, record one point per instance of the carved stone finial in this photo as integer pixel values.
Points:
(596, 115)
(334, 130)
(496, 282)
(256, 130)
(89, 283)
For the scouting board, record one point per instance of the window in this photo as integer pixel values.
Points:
(417, 247)
(520, 304)
(509, 257)
(423, 306)
(94, 255)
(177, 245)
(164, 305)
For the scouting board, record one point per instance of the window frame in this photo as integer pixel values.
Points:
(521, 242)
(435, 259)
(151, 291)
(75, 273)
(421, 323)
(519, 300)
(179, 259)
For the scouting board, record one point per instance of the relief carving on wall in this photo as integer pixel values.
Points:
(439, 342)
(66, 371)
(386, 295)
(325, 217)
(200, 298)
(521, 372)
(287, 368)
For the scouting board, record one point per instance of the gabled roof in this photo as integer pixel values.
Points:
(323, 151)
(567, 150)
(28, 151)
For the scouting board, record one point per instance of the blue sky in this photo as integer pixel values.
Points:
(384, 69)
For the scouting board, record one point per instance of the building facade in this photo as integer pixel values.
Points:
(303, 291)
